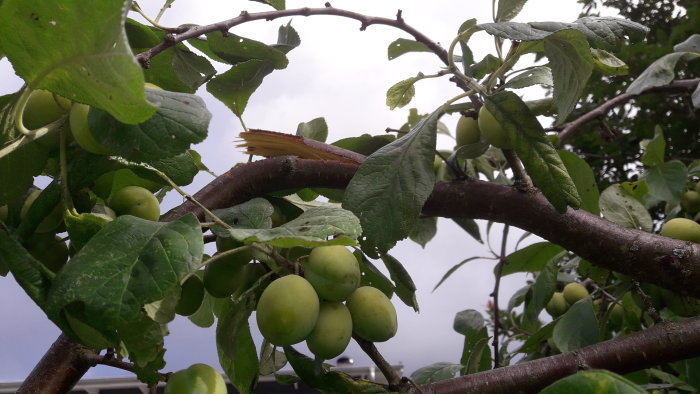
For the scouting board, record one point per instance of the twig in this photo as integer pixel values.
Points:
(496, 318)
(570, 128)
(522, 179)
(393, 378)
(109, 360)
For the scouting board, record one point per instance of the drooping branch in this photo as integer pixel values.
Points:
(659, 344)
(189, 32)
(669, 263)
(570, 129)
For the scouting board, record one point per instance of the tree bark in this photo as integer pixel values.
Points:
(666, 262)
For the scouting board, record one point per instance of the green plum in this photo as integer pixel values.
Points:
(49, 249)
(557, 305)
(136, 201)
(43, 108)
(51, 221)
(690, 201)
(191, 296)
(681, 228)
(373, 314)
(287, 310)
(573, 292)
(332, 331)
(333, 271)
(80, 129)
(196, 379)
(467, 131)
(491, 131)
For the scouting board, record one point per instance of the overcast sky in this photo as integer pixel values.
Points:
(342, 74)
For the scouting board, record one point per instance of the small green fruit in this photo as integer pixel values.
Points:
(557, 305)
(191, 296)
(333, 271)
(49, 249)
(573, 292)
(80, 129)
(51, 221)
(491, 130)
(43, 108)
(467, 131)
(287, 310)
(136, 201)
(373, 314)
(196, 379)
(617, 314)
(690, 201)
(332, 331)
(683, 229)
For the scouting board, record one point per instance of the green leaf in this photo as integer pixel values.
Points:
(667, 181)
(316, 129)
(328, 381)
(235, 49)
(180, 121)
(254, 213)
(21, 165)
(204, 316)
(78, 52)
(276, 4)
(584, 179)
(654, 149)
(601, 32)
(235, 345)
(531, 144)
(470, 226)
(372, 276)
(540, 293)
(271, 360)
(469, 319)
(310, 229)
(287, 38)
(467, 55)
(8, 132)
(509, 9)
(661, 72)
(402, 46)
(572, 64)
(144, 341)
(405, 288)
(82, 227)
(607, 63)
(532, 258)
(424, 231)
(620, 207)
(235, 86)
(365, 144)
(399, 95)
(389, 189)
(577, 328)
(479, 358)
(540, 75)
(485, 66)
(129, 263)
(29, 273)
(191, 69)
(181, 168)
(533, 342)
(455, 268)
(435, 372)
(594, 381)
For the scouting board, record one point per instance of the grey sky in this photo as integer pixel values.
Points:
(342, 74)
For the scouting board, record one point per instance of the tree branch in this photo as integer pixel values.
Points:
(659, 344)
(572, 127)
(666, 262)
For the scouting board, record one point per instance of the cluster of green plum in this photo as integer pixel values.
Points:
(561, 301)
(293, 308)
(683, 228)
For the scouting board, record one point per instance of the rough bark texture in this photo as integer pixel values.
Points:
(662, 343)
(59, 370)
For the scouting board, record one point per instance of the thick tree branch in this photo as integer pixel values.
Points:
(659, 344)
(60, 368)
(669, 263)
(572, 127)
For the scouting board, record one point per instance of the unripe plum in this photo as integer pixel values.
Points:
(373, 314)
(80, 129)
(573, 292)
(287, 310)
(690, 201)
(43, 108)
(467, 131)
(683, 229)
(491, 131)
(51, 221)
(49, 249)
(196, 379)
(333, 271)
(332, 331)
(557, 305)
(137, 201)
(191, 296)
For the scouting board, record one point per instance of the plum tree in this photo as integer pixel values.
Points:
(681, 228)
(332, 331)
(287, 310)
(491, 130)
(467, 131)
(573, 292)
(136, 201)
(373, 314)
(196, 379)
(333, 271)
